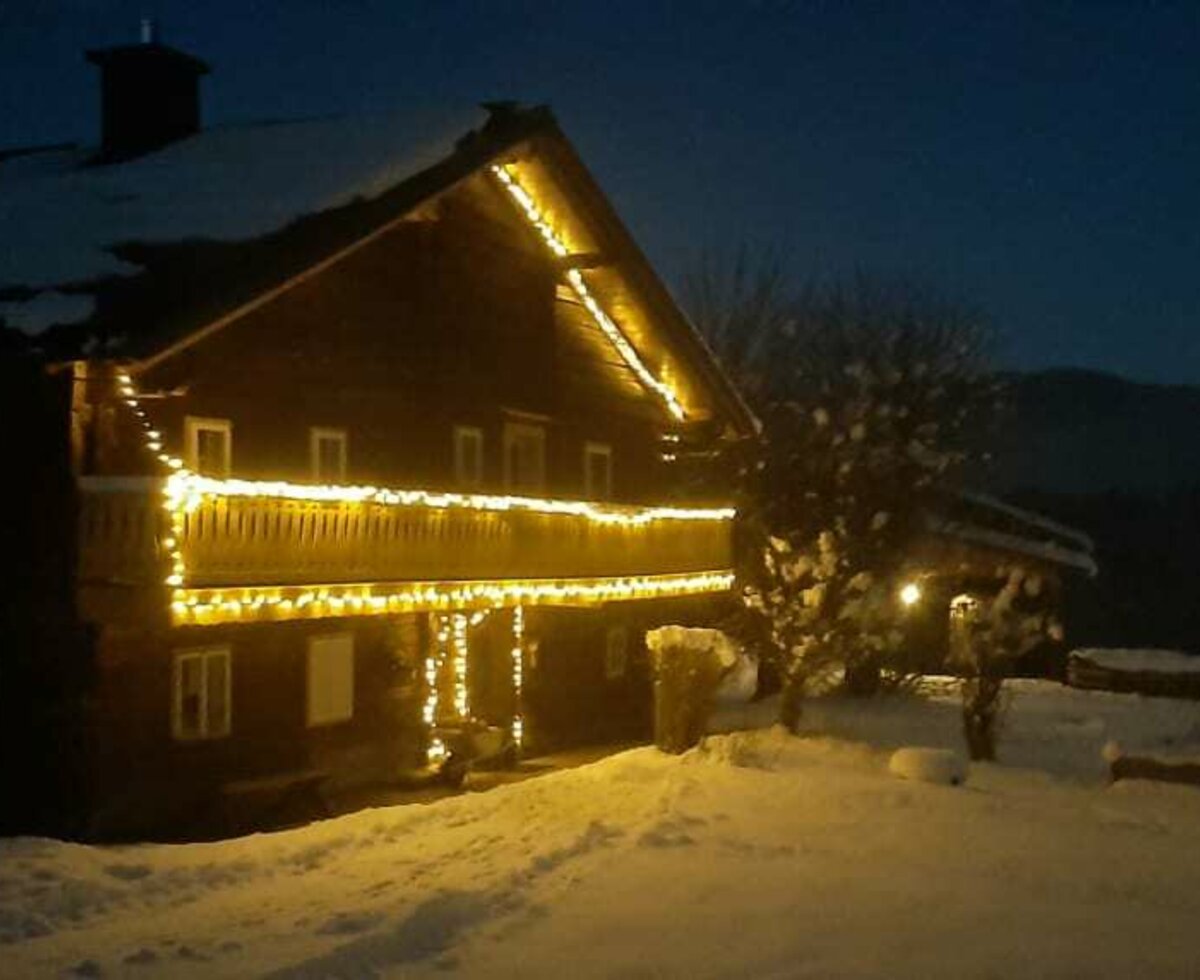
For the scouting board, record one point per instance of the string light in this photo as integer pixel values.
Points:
(435, 750)
(579, 286)
(458, 647)
(204, 606)
(518, 674)
(186, 490)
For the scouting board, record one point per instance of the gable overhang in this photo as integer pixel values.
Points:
(578, 225)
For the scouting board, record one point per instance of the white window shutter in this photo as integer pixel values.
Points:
(330, 679)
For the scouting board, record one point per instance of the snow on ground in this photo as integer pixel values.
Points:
(759, 854)
(1153, 661)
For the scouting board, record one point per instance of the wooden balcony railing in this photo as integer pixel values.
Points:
(245, 540)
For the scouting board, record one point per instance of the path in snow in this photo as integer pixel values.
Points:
(758, 855)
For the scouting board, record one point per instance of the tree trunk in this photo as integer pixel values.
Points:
(980, 735)
(791, 702)
(981, 709)
(862, 679)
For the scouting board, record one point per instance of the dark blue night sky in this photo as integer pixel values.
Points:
(1041, 161)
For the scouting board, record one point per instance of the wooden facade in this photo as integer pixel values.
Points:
(426, 431)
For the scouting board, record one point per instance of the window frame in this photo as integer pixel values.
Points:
(193, 425)
(316, 433)
(604, 450)
(512, 432)
(204, 655)
(464, 435)
(330, 720)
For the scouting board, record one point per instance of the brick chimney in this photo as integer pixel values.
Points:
(149, 96)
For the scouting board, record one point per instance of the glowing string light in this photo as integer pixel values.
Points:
(518, 674)
(435, 750)
(205, 606)
(186, 490)
(459, 657)
(579, 286)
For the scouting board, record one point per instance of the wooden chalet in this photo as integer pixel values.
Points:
(306, 500)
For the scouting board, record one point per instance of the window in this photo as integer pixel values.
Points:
(208, 445)
(330, 679)
(524, 457)
(616, 652)
(200, 705)
(327, 454)
(597, 471)
(468, 457)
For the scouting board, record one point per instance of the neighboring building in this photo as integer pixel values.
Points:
(356, 430)
(967, 537)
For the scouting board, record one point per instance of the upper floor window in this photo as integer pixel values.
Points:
(468, 457)
(208, 445)
(200, 701)
(327, 454)
(524, 457)
(597, 471)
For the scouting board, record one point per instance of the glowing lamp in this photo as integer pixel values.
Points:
(910, 594)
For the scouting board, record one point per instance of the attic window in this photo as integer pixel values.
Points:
(208, 445)
(327, 454)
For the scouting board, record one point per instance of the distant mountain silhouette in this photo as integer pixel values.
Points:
(1120, 460)
(1079, 432)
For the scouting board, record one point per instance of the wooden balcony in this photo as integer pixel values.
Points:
(244, 541)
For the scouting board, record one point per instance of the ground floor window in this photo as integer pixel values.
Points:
(330, 679)
(200, 705)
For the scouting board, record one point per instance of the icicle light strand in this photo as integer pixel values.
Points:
(580, 287)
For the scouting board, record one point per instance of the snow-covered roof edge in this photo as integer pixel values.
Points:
(1049, 551)
(1028, 516)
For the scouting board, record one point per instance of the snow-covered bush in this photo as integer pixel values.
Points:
(689, 664)
(985, 641)
(924, 765)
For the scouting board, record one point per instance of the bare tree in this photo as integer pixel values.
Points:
(868, 391)
(987, 635)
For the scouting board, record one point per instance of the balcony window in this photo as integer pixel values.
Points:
(327, 455)
(524, 457)
(330, 679)
(468, 457)
(208, 445)
(597, 471)
(200, 703)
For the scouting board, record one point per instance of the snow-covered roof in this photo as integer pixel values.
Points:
(1028, 517)
(61, 216)
(1043, 550)
(981, 519)
(1140, 660)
